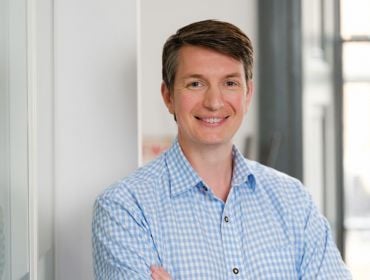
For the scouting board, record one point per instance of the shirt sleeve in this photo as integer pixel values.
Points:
(122, 243)
(321, 258)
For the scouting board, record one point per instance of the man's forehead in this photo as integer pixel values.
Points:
(194, 61)
(191, 50)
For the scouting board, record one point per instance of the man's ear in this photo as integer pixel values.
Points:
(167, 98)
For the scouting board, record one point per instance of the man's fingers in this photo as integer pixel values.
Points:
(158, 273)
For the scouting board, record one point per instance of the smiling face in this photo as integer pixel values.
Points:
(210, 97)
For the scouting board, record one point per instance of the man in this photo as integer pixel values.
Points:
(201, 210)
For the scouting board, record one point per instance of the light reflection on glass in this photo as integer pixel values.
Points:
(356, 121)
(356, 61)
(356, 103)
(358, 253)
(355, 17)
(355, 24)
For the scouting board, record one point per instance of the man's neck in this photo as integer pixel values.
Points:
(214, 164)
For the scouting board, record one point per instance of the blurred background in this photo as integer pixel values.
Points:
(80, 107)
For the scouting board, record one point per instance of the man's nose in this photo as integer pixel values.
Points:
(213, 99)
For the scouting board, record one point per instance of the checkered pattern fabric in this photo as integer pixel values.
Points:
(164, 214)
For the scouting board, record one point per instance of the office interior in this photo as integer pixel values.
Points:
(80, 108)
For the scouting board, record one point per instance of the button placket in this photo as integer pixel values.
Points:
(229, 230)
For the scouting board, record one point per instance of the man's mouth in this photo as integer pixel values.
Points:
(212, 120)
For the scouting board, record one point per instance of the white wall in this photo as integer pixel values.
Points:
(95, 129)
(159, 20)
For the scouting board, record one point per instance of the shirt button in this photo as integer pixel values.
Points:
(235, 270)
(226, 219)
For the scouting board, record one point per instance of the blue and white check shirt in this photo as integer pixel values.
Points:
(164, 214)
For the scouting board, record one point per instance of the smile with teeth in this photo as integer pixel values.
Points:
(212, 120)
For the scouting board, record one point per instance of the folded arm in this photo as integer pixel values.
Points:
(122, 243)
(321, 258)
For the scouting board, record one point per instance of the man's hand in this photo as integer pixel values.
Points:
(158, 273)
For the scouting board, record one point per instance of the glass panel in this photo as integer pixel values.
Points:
(4, 148)
(355, 17)
(18, 138)
(356, 61)
(356, 137)
(356, 120)
(14, 259)
(358, 253)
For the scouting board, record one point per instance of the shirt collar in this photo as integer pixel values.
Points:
(183, 177)
(242, 173)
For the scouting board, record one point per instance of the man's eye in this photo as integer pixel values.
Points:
(195, 84)
(231, 84)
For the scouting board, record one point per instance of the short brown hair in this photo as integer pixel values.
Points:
(220, 36)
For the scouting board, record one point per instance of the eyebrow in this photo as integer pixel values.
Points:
(233, 75)
(192, 76)
(199, 76)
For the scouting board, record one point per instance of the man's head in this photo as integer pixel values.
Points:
(216, 35)
(207, 82)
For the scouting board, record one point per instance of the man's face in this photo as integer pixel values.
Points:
(210, 97)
